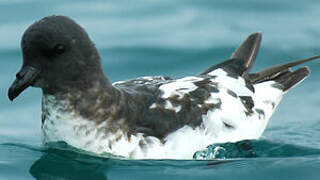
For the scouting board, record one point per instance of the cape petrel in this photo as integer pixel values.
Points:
(149, 117)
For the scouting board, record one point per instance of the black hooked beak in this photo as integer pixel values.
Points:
(25, 78)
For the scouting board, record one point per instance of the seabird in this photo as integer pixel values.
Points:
(149, 117)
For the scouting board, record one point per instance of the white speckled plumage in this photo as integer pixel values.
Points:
(179, 87)
(85, 134)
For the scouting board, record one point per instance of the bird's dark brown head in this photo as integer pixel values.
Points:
(57, 55)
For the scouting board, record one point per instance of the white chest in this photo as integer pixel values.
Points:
(61, 124)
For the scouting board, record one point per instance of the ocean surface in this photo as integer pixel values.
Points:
(173, 38)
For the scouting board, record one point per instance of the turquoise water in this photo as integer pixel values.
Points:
(174, 38)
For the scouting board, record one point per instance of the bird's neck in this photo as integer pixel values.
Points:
(91, 100)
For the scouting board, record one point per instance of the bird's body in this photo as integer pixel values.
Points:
(149, 117)
(178, 117)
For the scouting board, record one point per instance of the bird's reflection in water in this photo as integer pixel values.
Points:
(67, 164)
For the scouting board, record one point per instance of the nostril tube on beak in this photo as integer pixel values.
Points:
(18, 76)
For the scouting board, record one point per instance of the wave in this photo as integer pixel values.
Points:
(254, 149)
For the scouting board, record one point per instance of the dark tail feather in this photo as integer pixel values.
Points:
(288, 80)
(276, 71)
(242, 59)
(247, 51)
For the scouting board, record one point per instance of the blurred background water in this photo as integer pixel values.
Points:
(174, 38)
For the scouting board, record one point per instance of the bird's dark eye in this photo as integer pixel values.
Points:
(59, 48)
